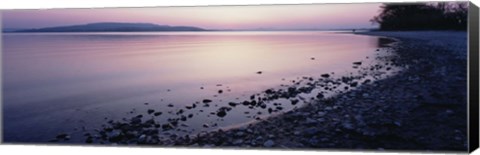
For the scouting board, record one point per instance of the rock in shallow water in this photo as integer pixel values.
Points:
(221, 113)
(206, 125)
(157, 113)
(233, 104)
(150, 111)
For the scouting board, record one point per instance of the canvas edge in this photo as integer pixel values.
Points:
(1, 79)
(473, 69)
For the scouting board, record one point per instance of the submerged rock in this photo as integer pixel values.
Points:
(150, 111)
(233, 104)
(206, 101)
(221, 113)
(157, 113)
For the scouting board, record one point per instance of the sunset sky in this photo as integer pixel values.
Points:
(324, 16)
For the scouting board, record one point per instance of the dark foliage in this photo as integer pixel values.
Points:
(423, 16)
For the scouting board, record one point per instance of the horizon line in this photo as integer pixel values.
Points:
(13, 29)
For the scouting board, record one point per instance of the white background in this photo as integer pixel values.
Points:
(84, 150)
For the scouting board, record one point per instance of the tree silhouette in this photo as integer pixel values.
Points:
(423, 16)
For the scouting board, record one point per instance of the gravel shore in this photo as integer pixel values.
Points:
(413, 98)
(421, 108)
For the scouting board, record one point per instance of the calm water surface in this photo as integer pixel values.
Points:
(71, 82)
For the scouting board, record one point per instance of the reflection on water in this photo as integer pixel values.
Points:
(74, 81)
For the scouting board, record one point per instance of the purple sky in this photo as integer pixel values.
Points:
(324, 16)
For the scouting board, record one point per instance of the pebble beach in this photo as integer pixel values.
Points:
(421, 108)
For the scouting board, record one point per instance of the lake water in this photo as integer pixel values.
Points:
(75, 82)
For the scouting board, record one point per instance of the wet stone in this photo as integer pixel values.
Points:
(89, 140)
(239, 134)
(183, 118)
(150, 111)
(348, 125)
(313, 141)
(136, 120)
(263, 106)
(365, 95)
(237, 142)
(232, 104)
(269, 91)
(294, 102)
(321, 113)
(221, 113)
(320, 96)
(310, 122)
(62, 136)
(311, 131)
(157, 113)
(269, 143)
(353, 84)
(206, 125)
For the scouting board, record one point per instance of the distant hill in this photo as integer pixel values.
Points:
(11, 29)
(114, 27)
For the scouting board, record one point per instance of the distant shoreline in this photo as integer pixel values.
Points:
(371, 32)
(346, 31)
(149, 27)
